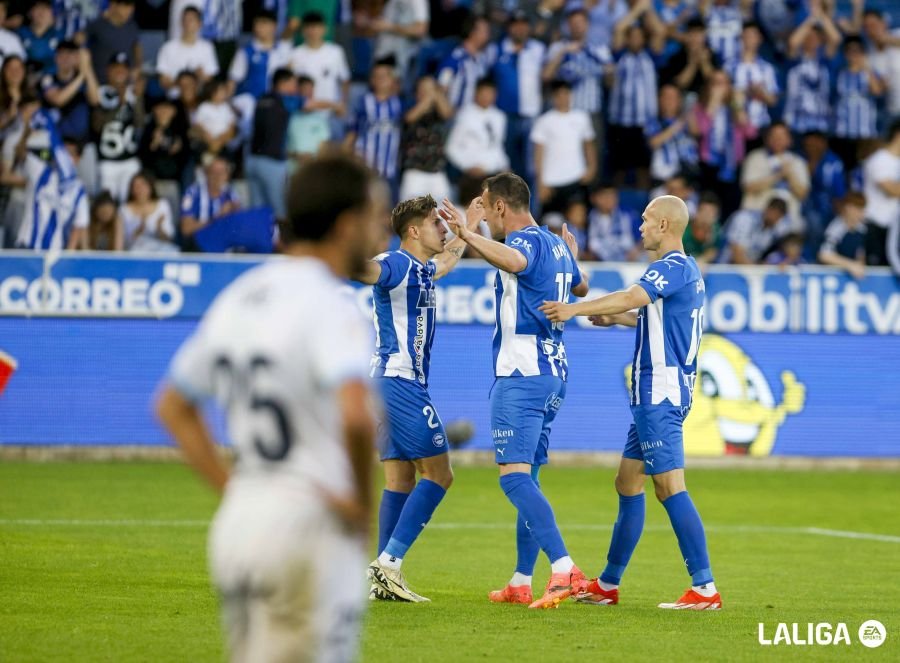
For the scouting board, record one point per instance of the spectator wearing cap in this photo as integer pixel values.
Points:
(855, 110)
(724, 24)
(633, 101)
(827, 184)
(326, 64)
(40, 37)
(207, 200)
(10, 43)
(375, 124)
(673, 148)
(517, 72)
(751, 234)
(813, 46)
(114, 31)
(881, 186)
(267, 162)
(691, 66)
(754, 78)
(610, 234)
(221, 24)
(476, 143)
(400, 30)
(565, 155)
(469, 62)
(117, 118)
(884, 54)
(582, 64)
(190, 51)
(774, 166)
(845, 237)
(422, 144)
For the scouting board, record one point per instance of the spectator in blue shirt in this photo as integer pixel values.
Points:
(467, 64)
(65, 92)
(40, 37)
(610, 234)
(827, 185)
(517, 73)
(845, 238)
(208, 200)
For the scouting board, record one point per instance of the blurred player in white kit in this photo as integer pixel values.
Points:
(285, 351)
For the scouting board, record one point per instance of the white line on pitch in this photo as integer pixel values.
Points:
(737, 529)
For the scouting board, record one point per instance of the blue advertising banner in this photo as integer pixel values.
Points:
(808, 300)
(783, 369)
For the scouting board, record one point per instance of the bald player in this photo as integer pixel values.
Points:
(669, 298)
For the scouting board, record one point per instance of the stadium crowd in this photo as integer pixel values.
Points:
(777, 121)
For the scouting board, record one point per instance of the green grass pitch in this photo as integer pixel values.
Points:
(106, 562)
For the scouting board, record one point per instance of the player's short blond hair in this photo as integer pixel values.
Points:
(411, 212)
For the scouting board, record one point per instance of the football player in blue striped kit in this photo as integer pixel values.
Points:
(413, 438)
(531, 369)
(669, 323)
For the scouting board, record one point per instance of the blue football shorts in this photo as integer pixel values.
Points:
(656, 437)
(411, 428)
(522, 413)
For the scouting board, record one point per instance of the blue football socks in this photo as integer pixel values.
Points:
(527, 547)
(691, 537)
(625, 537)
(522, 491)
(388, 514)
(417, 511)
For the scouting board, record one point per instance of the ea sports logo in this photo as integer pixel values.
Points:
(872, 633)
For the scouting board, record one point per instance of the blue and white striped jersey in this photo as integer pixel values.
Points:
(632, 102)
(668, 332)
(584, 72)
(518, 78)
(855, 113)
(378, 125)
(759, 72)
(723, 31)
(526, 343)
(404, 299)
(808, 103)
(460, 71)
(675, 155)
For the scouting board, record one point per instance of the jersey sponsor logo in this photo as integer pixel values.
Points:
(521, 241)
(502, 433)
(656, 279)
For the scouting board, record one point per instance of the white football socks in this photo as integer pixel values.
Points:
(562, 565)
(520, 580)
(707, 590)
(389, 561)
(606, 586)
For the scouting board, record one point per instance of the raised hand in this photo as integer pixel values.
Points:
(570, 240)
(454, 218)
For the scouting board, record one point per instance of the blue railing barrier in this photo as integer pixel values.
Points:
(804, 362)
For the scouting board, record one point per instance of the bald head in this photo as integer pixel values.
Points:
(664, 223)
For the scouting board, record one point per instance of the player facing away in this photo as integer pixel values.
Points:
(285, 352)
(669, 324)
(413, 437)
(530, 368)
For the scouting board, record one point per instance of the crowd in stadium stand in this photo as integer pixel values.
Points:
(776, 120)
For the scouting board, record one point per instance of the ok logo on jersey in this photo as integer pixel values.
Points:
(658, 280)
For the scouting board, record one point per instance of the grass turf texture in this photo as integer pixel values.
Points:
(139, 591)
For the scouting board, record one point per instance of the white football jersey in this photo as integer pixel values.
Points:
(272, 350)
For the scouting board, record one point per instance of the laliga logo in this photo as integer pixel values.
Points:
(871, 634)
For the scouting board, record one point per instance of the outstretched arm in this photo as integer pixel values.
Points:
(625, 319)
(614, 303)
